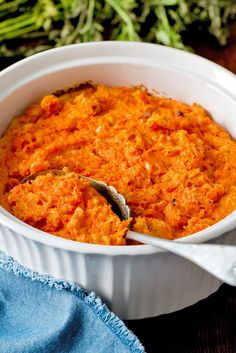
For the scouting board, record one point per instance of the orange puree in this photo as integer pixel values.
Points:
(68, 207)
(174, 164)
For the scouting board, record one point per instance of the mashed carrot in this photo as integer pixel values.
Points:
(174, 164)
(67, 206)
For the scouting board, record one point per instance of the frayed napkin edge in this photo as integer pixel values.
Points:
(115, 324)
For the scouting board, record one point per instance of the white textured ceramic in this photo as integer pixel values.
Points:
(135, 281)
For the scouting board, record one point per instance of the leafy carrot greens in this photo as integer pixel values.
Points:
(29, 26)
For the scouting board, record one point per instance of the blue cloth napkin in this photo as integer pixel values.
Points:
(39, 314)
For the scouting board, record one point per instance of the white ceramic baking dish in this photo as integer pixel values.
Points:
(135, 281)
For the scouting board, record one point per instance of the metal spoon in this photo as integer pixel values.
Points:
(219, 260)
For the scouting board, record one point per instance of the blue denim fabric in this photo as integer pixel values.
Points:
(39, 314)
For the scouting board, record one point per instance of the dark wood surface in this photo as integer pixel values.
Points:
(224, 56)
(210, 325)
(206, 327)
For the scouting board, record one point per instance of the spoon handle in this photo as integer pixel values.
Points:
(219, 260)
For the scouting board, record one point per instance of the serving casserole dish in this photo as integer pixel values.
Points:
(135, 281)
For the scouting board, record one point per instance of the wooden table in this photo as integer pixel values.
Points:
(210, 325)
(206, 327)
